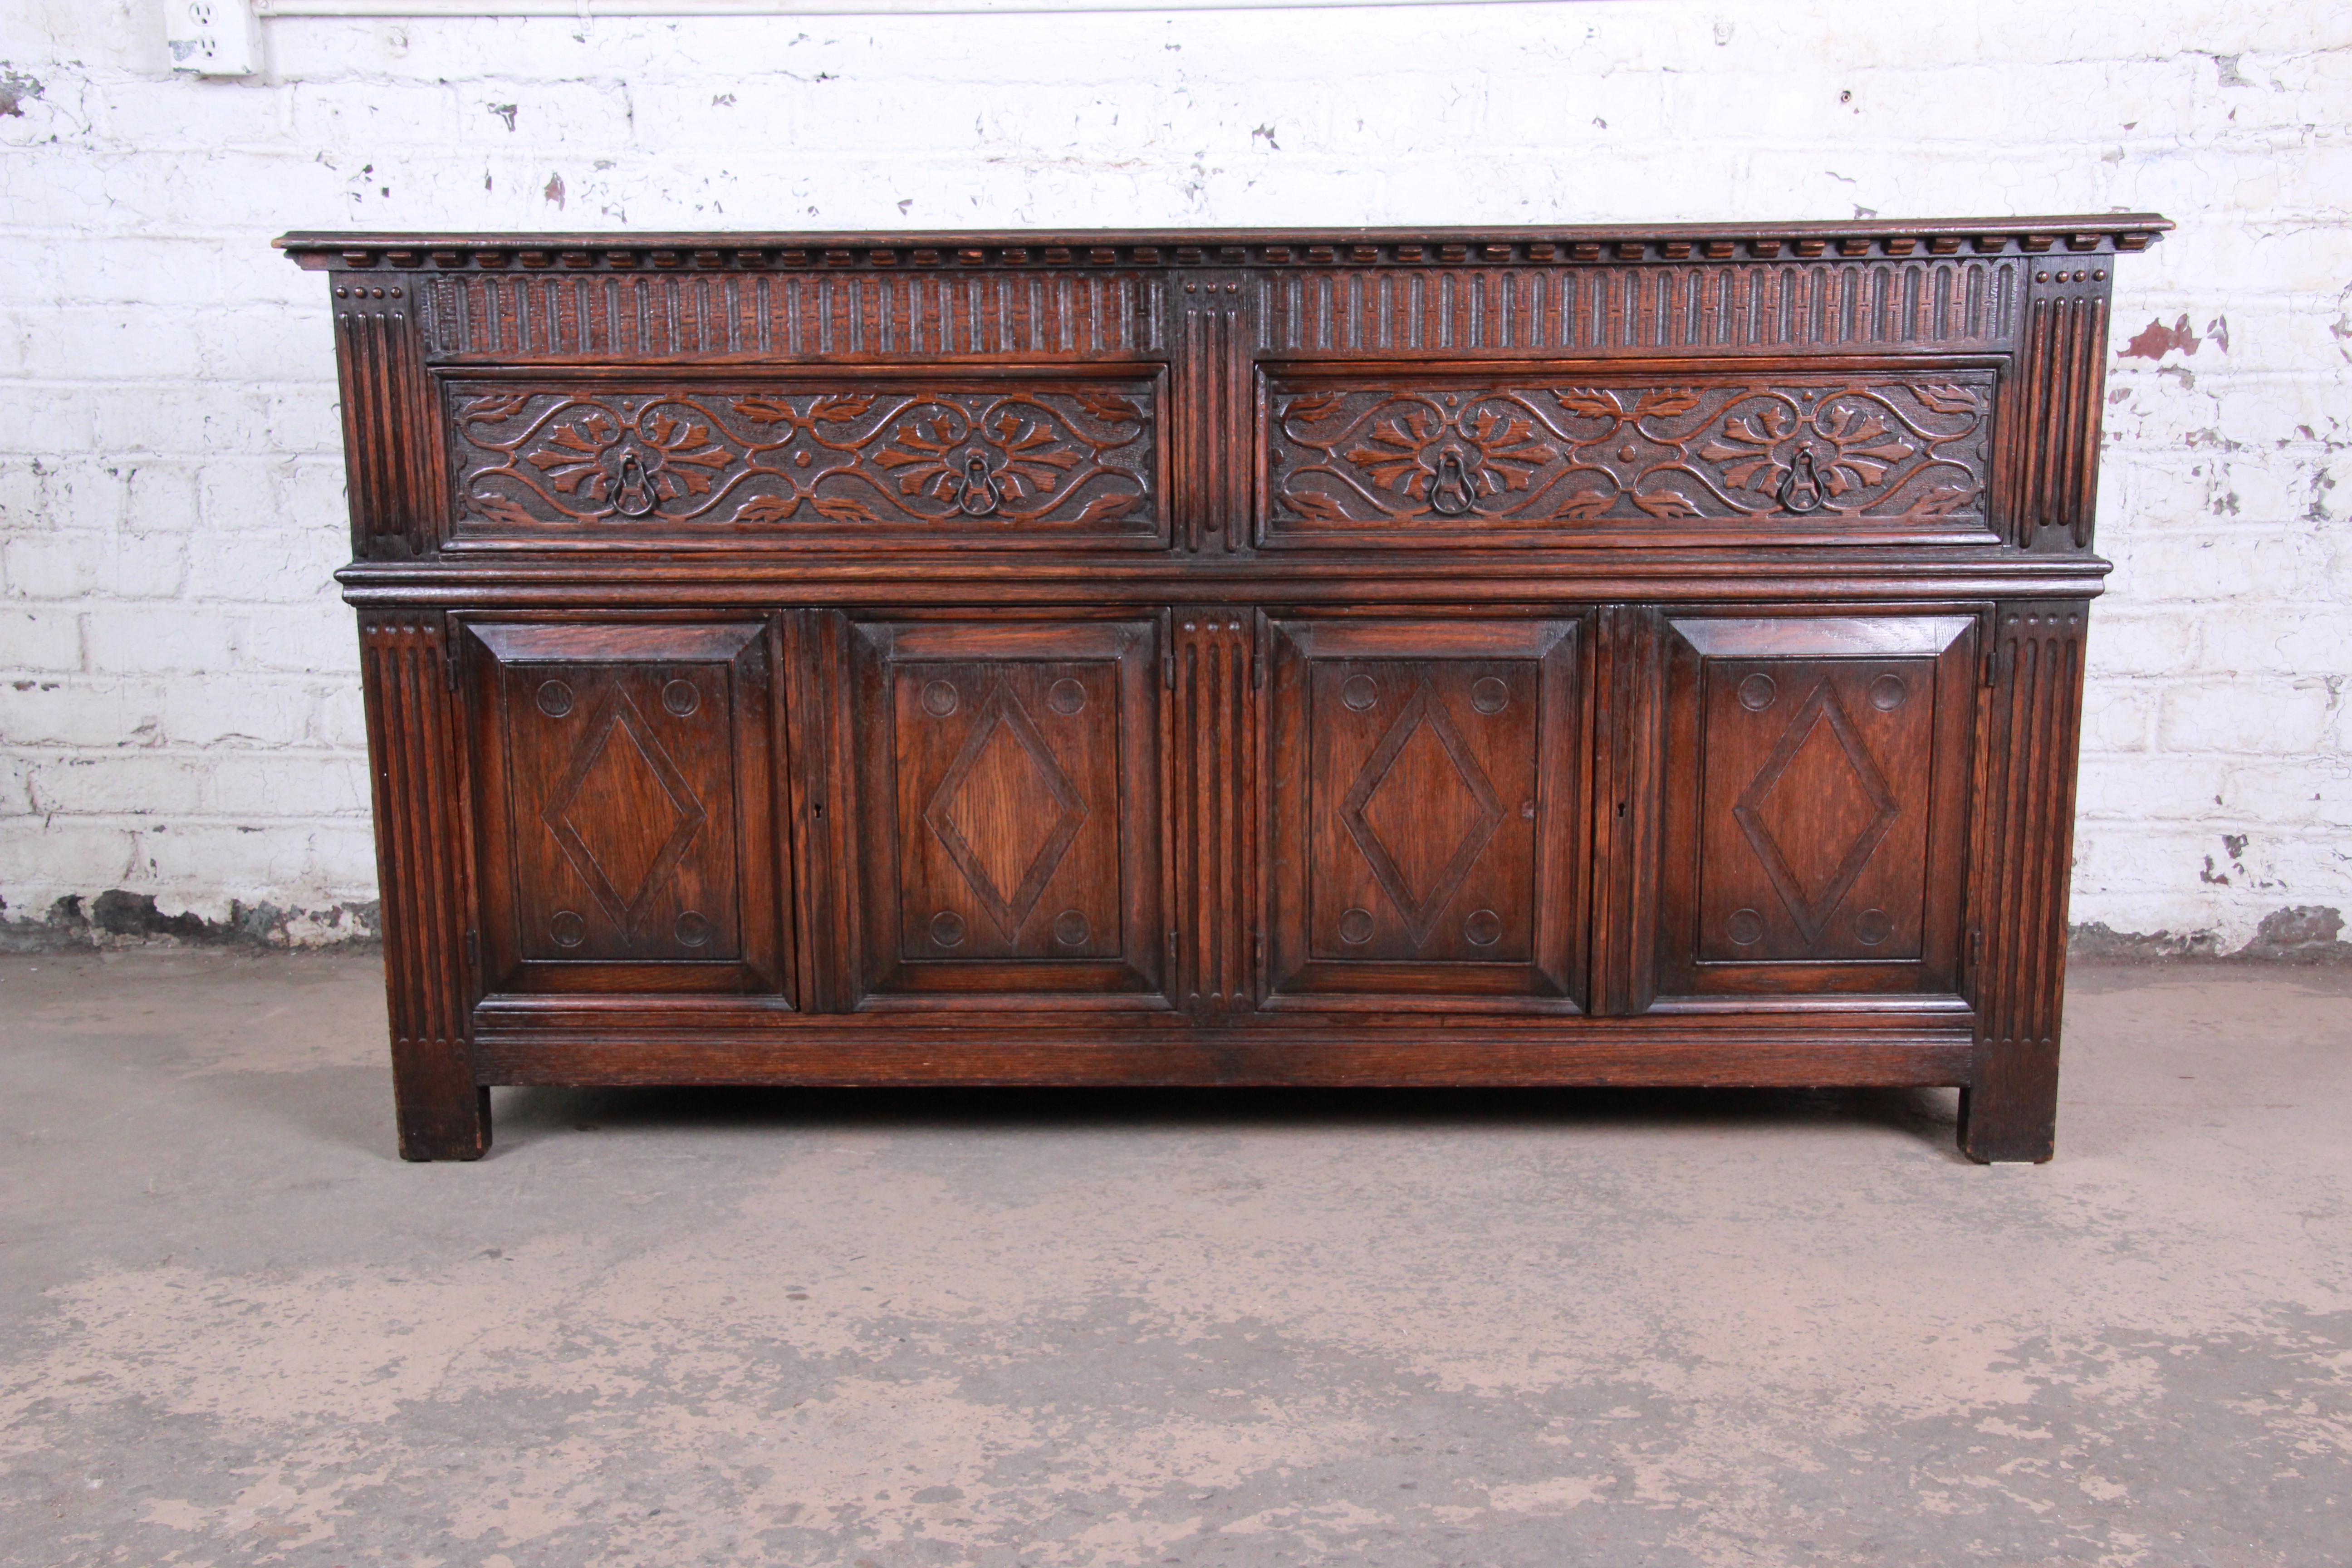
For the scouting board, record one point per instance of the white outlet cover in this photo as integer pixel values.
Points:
(213, 37)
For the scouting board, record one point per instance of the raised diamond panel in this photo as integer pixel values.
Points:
(622, 773)
(1007, 779)
(1825, 761)
(1005, 811)
(1817, 810)
(1423, 818)
(1421, 811)
(623, 814)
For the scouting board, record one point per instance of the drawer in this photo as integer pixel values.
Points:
(1563, 454)
(943, 461)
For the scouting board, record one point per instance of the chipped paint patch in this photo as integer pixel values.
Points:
(2157, 340)
(2300, 933)
(16, 87)
(119, 918)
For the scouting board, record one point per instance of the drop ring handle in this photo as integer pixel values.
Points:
(978, 495)
(1802, 490)
(1449, 489)
(633, 489)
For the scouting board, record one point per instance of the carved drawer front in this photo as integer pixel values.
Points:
(1427, 842)
(1008, 808)
(863, 460)
(624, 783)
(1567, 454)
(1818, 775)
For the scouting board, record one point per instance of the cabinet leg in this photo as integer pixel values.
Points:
(421, 852)
(443, 1113)
(2025, 841)
(2010, 1115)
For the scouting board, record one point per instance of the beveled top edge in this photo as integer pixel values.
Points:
(323, 249)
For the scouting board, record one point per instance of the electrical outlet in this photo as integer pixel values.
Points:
(213, 37)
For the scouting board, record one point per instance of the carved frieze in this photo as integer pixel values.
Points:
(1075, 457)
(1677, 308)
(1444, 455)
(606, 315)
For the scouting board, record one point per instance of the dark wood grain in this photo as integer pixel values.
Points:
(549, 462)
(1518, 656)
(2054, 462)
(1596, 1055)
(1006, 809)
(1675, 453)
(1427, 794)
(1212, 367)
(1213, 673)
(420, 793)
(879, 251)
(2021, 881)
(1815, 827)
(390, 429)
(600, 314)
(627, 806)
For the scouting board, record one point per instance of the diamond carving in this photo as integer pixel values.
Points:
(624, 812)
(1005, 811)
(1421, 810)
(1823, 769)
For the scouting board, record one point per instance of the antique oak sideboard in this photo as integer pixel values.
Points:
(1507, 656)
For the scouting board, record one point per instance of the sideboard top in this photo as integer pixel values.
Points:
(1615, 243)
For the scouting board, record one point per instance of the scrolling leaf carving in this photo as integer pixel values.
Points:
(1078, 459)
(1452, 456)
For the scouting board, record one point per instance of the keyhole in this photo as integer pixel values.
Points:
(1450, 492)
(1801, 491)
(634, 495)
(978, 498)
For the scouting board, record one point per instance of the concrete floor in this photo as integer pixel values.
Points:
(884, 1330)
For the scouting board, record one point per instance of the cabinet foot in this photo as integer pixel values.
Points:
(443, 1113)
(2010, 1123)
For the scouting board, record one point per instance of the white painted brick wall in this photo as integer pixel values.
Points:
(178, 712)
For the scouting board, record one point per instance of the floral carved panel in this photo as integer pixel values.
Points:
(1448, 455)
(1071, 458)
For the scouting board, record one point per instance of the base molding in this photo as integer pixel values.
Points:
(1236, 1058)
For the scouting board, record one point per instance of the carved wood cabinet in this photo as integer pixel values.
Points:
(1507, 656)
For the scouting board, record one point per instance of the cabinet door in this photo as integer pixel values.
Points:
(628, 834)
(1815, 830)
(1007, 817)
(1427, 836)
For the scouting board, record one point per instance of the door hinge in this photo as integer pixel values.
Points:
(1168, 670)
(474, 953)
(1976, 951)
(1991, 671)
